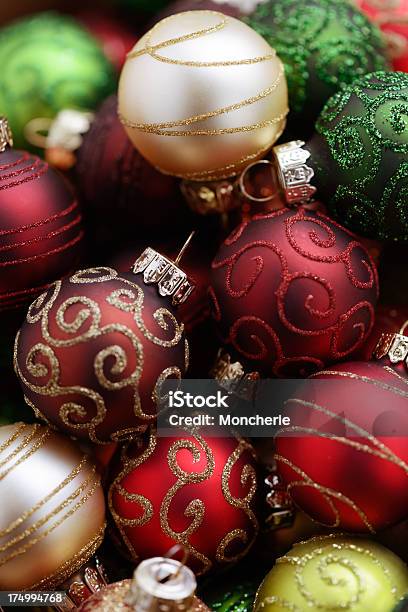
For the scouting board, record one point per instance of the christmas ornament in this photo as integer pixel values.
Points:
(53, 512)
(203, 500)
(334, 572)
(292, 291)
(323, 45)
(123, 194)
(358, 419)
(360, 156)
(391, 17)
(158, 584)
(115, 36)
(40, 224)
(239, 597)
(49, 63)
(239, 113)
(95, 348)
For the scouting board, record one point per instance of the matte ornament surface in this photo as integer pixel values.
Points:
(49, 62)
(359, 419)
(94, 351)
(334, 573)
(241, 107)
(360, 156)
(292, 291)
(41, 227)
(203, 499)
(52, 510)
(323, 44)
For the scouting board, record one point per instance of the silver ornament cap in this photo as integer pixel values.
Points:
(161, 584)
(294, 174)
(6, 136)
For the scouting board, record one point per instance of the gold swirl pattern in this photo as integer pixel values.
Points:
(330, 568)
(38, 519)
(117, 366)
(248, 475)
(216, 24)
(124, 488)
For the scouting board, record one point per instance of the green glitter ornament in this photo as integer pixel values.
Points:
(360, 156)
(323, 44)
(235, 597)
(48, 63)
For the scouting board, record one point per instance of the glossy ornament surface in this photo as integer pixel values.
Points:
(344, 458)
(334, 572)
(94, 350)
(53, 510)
(192, 490)
(49, 63)
(292, 291)
(360, 156)
(241, 107)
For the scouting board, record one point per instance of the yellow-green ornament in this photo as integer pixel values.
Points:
(329, 573)
(49, 63)
(323, 44)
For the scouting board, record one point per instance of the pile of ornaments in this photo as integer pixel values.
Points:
(277, 132)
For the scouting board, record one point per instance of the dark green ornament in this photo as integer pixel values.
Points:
(323, 44)
(402, 606)
(234, 598)
(360, 156)
(48, 63)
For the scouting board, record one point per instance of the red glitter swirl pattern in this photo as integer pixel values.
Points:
(293, 291)
(40, 227)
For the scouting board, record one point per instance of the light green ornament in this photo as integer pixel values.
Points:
(336, 572)
(49, 63)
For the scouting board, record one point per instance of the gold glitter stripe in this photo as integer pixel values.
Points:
(46, 499)
(384, 452)
(366, 379)
(71, 566)
(326, 492)
(23, 549)
(160, 128)
(41, 522)
(10, 440)
(22, 445)
(41, 440)
(151, 50)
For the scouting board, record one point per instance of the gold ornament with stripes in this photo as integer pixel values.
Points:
(202, 95)
(52, 516)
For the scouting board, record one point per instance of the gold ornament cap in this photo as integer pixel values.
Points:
(159, 270)
(394, 346)
(162, 585)
(294, 174)
(6, 136)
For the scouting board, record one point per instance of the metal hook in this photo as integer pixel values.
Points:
(241, 182)
(403, 328)
(184, 248)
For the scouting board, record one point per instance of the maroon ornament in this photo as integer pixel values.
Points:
(292, 291)
(123, 194)
(40, 225)
(344, 458)
(94, 349)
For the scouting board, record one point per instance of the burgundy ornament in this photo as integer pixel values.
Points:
(123, 194)
(344, 458)
(40, 226)
(292, 291)
(94, 350)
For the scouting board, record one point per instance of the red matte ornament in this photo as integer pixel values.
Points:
(292, 291)
(192, 490)
(344, 458)
(40, 227)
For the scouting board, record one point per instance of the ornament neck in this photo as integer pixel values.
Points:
(6, 136)
(394, 346)
(232, 375)
(162, 585)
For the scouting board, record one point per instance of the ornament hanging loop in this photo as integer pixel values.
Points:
(272, 188)
(6, 136)
(184, 248)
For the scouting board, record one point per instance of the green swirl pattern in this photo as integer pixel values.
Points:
(323, 44)
(361, 155)
(48, 62)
